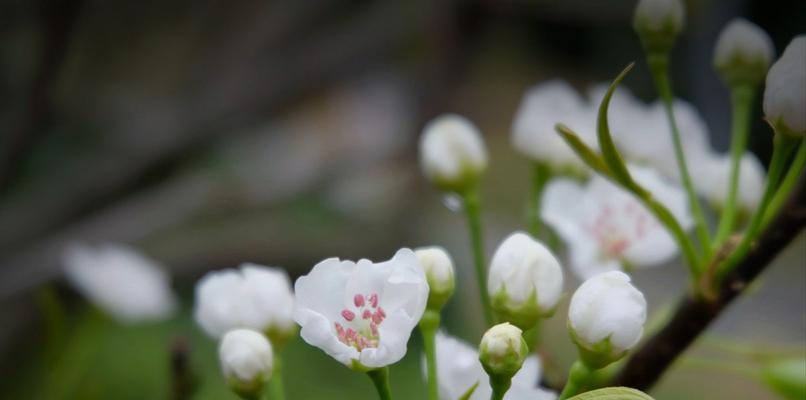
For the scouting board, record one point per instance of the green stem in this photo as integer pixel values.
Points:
(276, 384)
(472, 208)
(429, 324)
(741, 99)
(380, 377)
(659, 64)
(782, 147)
(579, 378)
(540, 175)
(786, 185)
(500, 385)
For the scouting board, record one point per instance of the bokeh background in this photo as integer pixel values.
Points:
(208, 133)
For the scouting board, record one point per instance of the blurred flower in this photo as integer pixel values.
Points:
(607, 228)
(246, 358)
(743, 53)
(542, 107)
(525, 280)
(606, 318)
(503, 350)
(253, 296)
(452, 153)
(713, 177)
(362, 313)
(438, 268)
(459, 369)
(785, 94)
(658, 22)
(121, 281)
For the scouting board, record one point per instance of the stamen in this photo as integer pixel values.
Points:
(348, 315)
(358, 300)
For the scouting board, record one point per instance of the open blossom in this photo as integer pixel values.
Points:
(246, 358)
(253, 296)
(362, 313)
(712, 179)
(459, 368)
(121, 281)
(607, 228)
(785, 93)
(525, 280)
(452, 152)
(606, 309)
(542, 107)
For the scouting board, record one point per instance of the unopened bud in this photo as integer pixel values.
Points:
(438, 268)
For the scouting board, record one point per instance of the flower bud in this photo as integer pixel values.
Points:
(438, 268)
(785, 94)
(452, 153)
(525, 280)
(658, 22)
(743, 53)
(246, 361)
(606, 318)
(503, 350)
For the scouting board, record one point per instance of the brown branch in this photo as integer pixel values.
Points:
(695, 314)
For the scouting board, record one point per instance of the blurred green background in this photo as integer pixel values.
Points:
(210, 133)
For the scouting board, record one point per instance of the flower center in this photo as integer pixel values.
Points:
(618, 227)
(359, 323)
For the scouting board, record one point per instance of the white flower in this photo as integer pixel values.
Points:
(606, 227)
(542, 107)
(525, 280)
(246, 358)
(606, 317)
(452, 152)
(785, 94)
(743, 52)
(459, 368)
(438, 268)
(121, 281)
(659, 15)
(254, 297)
(362, 313)
(712, 179)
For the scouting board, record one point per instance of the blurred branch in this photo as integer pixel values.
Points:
(57, 19)
(695, 314)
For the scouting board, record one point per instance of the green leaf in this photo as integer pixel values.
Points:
(613, 393)
(469, 392)
(609, 152)
(584, 152)
(787, 378)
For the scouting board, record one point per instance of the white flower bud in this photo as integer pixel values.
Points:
(525, 280)
(438, 268)
(743, 53)
(246, 361)
(606, 318)
(503, 350)
(452, 153)
(785, 94)
(658, 22)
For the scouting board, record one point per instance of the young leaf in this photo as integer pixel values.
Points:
(613, 393)
(469, 392)
(584, 152)
(610, 154)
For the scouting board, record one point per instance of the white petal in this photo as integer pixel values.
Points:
(785, 93)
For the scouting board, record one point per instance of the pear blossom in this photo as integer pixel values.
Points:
(459, 368)
(607, 228)
(525, 280)
(253, 296)
(606, 317)
(452, 152)
(438, 268)
(542, 107)
(785, 93)
(743, 52)
(713, 179)
(362, 313)
(129, 286)
(246, 358)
